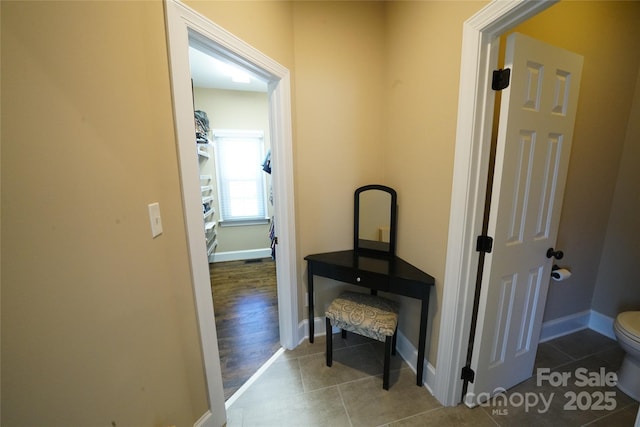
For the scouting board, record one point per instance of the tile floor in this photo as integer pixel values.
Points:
(299, 390)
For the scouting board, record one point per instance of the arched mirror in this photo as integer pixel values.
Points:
(375, 219)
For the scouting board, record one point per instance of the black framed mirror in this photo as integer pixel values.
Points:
(374, 222)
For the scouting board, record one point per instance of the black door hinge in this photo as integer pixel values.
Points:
(484, 244)
(468, 374)
(501, 79)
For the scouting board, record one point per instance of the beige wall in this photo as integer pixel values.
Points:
(265, 25)
(228, 109)
(618, 282)
(98, 319)
(606, 34)
(421, 108)
(339, 63)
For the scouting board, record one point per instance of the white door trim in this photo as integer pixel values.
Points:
(480, 44)
(183, 23)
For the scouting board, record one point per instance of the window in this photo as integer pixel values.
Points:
(241, 188)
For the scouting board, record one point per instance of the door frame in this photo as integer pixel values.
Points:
(480, 47)
(182, 23)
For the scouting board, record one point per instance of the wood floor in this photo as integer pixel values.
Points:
(246, 313)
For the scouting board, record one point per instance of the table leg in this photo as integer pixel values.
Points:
(310, 302)
(422, 340)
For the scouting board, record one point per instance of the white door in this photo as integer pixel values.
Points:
(537, 116)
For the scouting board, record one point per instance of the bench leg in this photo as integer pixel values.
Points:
(329, 348)
(395, 337)
(387, 361)
(343, 333)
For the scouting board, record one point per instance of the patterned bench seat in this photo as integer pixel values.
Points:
(371, 316)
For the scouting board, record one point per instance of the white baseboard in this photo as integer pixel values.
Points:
(240, 255)
(404, 347)
(602, 324)
(564, 325)
(318, 329)
(574, 322)
(410, 355)
(205, 421)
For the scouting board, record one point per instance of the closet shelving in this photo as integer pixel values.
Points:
(208, 213)
(208, 198)
(203, 150)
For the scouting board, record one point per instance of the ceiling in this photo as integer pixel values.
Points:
(209, 72)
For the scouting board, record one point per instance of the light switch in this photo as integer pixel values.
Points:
(154, 218)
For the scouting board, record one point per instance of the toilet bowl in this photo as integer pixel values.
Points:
(627, 330)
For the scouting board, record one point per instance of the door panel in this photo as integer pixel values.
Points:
(537, 116)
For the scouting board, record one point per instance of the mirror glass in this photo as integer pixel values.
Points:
(374, 221)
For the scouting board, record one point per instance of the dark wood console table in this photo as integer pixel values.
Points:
(378, 273)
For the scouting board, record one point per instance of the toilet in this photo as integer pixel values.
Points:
(627, 330)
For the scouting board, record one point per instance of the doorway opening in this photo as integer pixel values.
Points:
(185, 27)
(480, 46)
(232, 123)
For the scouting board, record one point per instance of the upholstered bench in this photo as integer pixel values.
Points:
(368, 315)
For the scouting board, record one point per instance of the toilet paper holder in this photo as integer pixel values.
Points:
(559, 274)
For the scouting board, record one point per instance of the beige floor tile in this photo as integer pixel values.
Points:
(352, 339)
(572, 404)
(549, 356)
(234, 417)
(281, 379)
(457, 416)
(350, 363)
(318, 408)
(612, 356)
(396, 361)
(369, 405)
(583, 343)
(300, 390)
(514, 412)
(306, 348)
(625, 417)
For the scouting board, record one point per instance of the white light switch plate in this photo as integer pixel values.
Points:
(154, 218)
